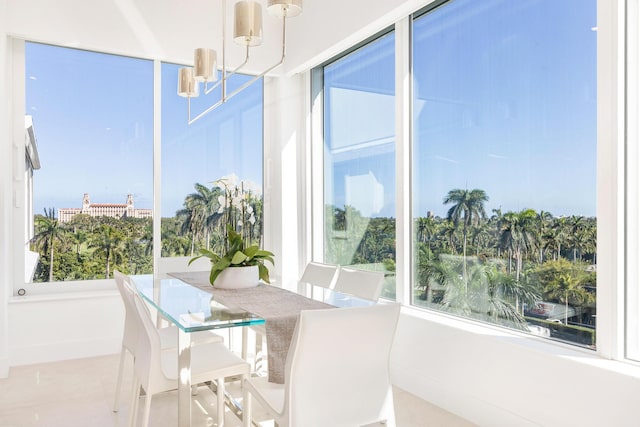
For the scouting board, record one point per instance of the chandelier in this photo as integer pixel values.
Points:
(247, 32)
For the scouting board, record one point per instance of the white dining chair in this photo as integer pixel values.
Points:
(316, 274)
(361, 283)
(319, 274)
(336, 373)
(168, 336)
(156, 369)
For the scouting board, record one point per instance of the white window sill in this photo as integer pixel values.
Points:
(533, 343)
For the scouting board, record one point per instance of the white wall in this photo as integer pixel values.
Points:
(5, 195)
(284, 178)
(46, 328)
(496, 379)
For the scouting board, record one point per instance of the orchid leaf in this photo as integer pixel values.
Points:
(238, 258)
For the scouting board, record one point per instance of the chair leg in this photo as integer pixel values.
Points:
(119, 381)
(147, 410)
(246, 405)
(245, 343)
(133, 407)
(220, 401)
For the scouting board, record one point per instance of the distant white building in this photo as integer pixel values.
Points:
(113, 210)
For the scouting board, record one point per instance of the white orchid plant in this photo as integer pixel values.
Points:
(237, 218)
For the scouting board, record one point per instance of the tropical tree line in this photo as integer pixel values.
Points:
(89, 247)
(206, 214)
(495, 267)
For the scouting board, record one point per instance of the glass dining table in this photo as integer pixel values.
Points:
(188, 301)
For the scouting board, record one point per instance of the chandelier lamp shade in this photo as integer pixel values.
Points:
(247, 32)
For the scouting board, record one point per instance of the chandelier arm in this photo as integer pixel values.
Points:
(227, 75)
(205, 112)
(253, 80)
(279, 63)
(224, 97)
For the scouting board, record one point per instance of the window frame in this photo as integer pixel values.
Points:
(17, 52)
(20, 287)
(611, 187)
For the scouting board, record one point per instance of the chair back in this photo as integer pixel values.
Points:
(130, 336)
(337, 369)
(361, 283)
(148, 365)
(319, 274)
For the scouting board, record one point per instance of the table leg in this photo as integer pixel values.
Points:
(184, 379)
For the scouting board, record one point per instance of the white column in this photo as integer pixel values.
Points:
(403, 162)
(284, 177)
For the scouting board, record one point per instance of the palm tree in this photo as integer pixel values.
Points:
(487, 295)
(447, 231)
(425, 229)
(78, 237)
(576, 226)
(559, 234)
(543, 222)
(109, 241)
(568, 287)
(48, 231)
(494, 223)
(507, 295)
(468, 209)
(591, 240)
(517, 235)
(200, 213)
(428, 272)
(480, 236)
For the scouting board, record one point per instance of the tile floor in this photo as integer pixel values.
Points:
(79, 393)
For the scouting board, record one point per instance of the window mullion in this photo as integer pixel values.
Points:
(403, 160)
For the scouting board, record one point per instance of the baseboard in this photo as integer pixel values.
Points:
(455, 400)
(64, 351)
(4, 367)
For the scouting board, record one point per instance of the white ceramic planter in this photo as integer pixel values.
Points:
(238, 277)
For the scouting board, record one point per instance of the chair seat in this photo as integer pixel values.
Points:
(266, 392)
(226, 363)
(157, 369)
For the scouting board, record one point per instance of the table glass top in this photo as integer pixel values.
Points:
(188, 303)
(188, 307)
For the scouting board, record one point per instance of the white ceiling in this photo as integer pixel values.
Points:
(171, 29)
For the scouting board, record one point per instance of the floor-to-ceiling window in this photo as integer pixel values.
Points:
(359, 159)
(209, 164)
(88, 193)
(89, 160)
(503, 171)
(504, 164)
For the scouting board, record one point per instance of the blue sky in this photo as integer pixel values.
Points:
(93, 128)
(93, 119)
(505, 101)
